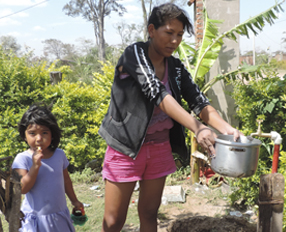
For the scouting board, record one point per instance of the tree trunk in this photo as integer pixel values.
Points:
(145, 20)
(101, 47)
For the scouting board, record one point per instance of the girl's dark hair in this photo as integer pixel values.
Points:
(161, 14)
(40, 114)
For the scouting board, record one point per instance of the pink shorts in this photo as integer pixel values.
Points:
(154, 160)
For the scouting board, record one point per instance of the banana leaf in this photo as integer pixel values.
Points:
(244, 72)
(212, 41)
(187, 54)
(209, 48)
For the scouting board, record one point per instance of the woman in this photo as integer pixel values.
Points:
(145, 121)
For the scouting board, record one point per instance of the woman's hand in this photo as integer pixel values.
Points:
(236, 133)
(206, 138)
(210, 116)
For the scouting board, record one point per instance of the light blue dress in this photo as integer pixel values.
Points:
(45, 206)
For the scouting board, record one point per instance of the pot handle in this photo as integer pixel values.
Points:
(237, 149)
(212, 155)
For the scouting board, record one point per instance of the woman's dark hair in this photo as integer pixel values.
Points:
(40, 114)
(161, 14)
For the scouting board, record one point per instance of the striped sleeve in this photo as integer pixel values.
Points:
(136, 63)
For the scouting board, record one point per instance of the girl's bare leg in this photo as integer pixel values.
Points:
(117, 199)
(149, 203)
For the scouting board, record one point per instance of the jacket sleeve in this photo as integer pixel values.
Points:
(191, 92)
(136, 63)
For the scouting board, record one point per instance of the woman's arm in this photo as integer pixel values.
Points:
(210, 116)
(70, 191)
(171, 107)
(204, 135)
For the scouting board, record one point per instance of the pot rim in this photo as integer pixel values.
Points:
(229, 141)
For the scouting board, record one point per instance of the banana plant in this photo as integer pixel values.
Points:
(199, 61)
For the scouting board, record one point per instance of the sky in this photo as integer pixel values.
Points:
(33, 21)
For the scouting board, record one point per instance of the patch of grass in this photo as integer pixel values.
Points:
(86, 176)
(95, 198)
(162, 216)
(179, 176)
(5, 224)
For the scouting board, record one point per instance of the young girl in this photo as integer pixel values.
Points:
(145, 121)
(45, 178)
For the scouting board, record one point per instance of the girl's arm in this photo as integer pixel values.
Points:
(29, 177)
(70, 191)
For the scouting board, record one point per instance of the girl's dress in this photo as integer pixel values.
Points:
(45, 205)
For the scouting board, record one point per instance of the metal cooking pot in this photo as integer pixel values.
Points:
(235, 159)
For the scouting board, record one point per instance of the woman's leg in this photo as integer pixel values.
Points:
(149, 203)
(117, 199)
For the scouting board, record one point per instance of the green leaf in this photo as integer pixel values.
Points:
(212, 41)
(269, 107)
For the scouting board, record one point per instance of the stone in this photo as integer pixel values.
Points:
(174, 193)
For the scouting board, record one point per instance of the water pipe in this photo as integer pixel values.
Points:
(276, 138)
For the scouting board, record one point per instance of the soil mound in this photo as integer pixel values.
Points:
(211, 224)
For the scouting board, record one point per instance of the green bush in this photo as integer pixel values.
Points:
(78, 107)
(278, 64)
(261, 99)
(20, 86)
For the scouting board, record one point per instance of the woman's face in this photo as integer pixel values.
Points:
(166, 38)
(38, 136)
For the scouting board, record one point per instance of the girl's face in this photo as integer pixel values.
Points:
(38, 136)
(166, 38)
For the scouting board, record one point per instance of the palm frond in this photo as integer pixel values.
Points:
(244, 72)
(212, 44)
(256, 23)
(186, 54)
(210, 47)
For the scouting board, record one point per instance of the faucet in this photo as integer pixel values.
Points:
(276, 137)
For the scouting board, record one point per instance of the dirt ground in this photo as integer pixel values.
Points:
(205, 210)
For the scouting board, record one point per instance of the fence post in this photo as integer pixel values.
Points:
(15, 213)
(55, 77)
(271, 202)
(1, 228)
(195, 166)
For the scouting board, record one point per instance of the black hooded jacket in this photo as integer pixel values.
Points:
(134, 97)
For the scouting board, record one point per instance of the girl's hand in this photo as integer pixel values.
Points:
(78, 205)
(37, 157)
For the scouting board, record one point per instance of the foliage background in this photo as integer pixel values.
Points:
(78, 107)
(265, 99)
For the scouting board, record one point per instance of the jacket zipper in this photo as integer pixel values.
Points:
(173, 91)
(144, 135)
